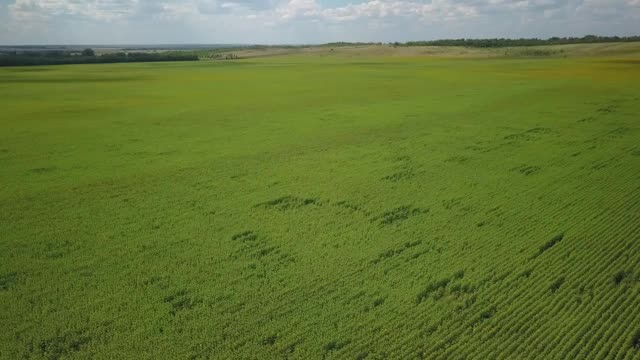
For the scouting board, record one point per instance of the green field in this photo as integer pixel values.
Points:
(309, 207)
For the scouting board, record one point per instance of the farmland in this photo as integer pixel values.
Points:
(345, 204)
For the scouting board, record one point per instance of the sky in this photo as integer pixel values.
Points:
(306, 21)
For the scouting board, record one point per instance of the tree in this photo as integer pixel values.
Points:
(88, 52)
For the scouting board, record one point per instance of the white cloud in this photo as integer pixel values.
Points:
(94, 9)
(296, 8)
(436, 10)
(314, 20)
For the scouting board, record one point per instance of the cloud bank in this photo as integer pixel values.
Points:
(306, 21)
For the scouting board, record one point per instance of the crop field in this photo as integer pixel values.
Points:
(321, 207)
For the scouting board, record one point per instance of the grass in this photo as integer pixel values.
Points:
(322, 207)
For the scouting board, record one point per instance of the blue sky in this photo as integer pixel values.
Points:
(306, 21)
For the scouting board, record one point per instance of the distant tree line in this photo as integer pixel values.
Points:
(342, 43)
(494, 43)
(87, 56)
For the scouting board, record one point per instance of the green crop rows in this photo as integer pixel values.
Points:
(321, 207)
